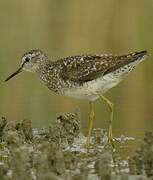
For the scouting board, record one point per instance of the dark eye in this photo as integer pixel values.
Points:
(27, 59)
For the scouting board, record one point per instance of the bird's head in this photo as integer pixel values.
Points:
(30, 61)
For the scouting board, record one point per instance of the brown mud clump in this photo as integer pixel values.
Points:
(59, 153)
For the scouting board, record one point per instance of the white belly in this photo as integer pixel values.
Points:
(91, 90)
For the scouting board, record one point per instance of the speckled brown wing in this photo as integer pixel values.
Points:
(84, 68)
(88, 67)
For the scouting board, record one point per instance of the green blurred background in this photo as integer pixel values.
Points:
(66, 27)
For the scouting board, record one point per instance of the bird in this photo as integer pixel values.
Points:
(83, 76)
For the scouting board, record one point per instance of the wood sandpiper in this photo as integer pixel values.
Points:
(85, 76)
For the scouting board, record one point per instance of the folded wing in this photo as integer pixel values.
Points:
(89, 67)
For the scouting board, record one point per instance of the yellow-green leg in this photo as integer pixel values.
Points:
(91, 119)
(111, 107)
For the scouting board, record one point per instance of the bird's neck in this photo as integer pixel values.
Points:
(43, 64)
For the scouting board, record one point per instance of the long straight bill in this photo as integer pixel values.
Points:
(14, 74)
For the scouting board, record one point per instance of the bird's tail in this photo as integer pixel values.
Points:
(140, 55)
(124, 60)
